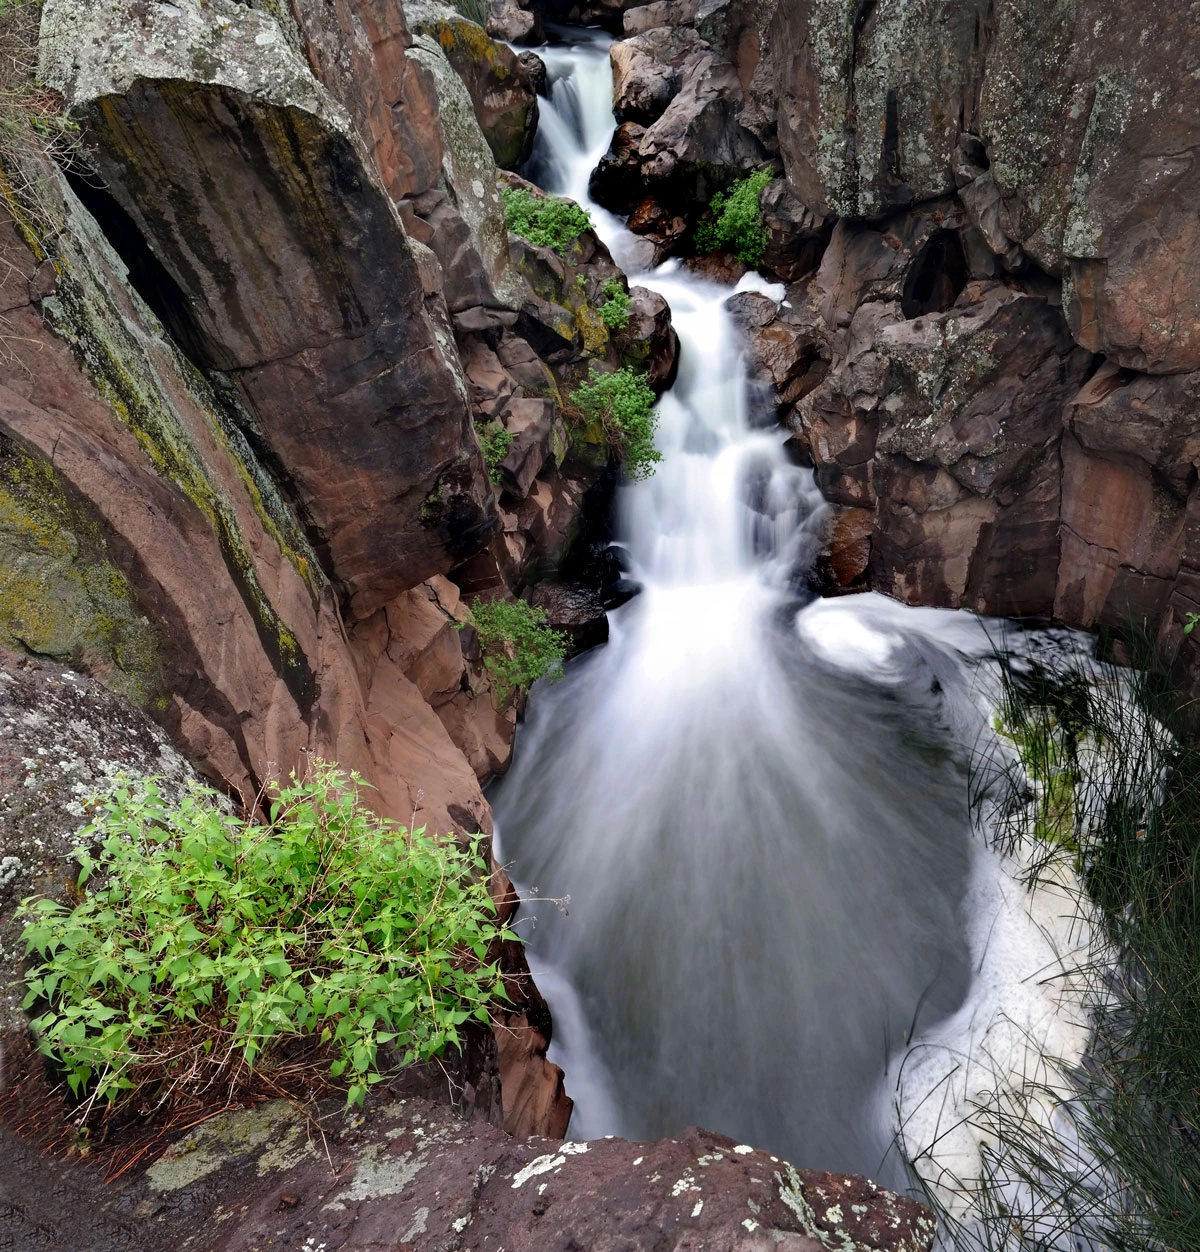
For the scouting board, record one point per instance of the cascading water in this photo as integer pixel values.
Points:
(754, 801)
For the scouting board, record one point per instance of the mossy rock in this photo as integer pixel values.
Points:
(60, 594)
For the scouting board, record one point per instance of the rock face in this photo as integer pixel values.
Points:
(319, 317)
(1080, 113)
(692, 111)
(988, 367)
(410, 1174)
(500, 83)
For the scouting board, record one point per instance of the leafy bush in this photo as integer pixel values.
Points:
(494, 441)
(518, 646)
(207, 943)
(545, 221)
(737, 220)
(624, 403)
(617, 306)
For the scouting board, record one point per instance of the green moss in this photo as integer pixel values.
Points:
(60, 595)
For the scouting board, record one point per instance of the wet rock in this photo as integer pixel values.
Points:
(789, 347)
(653, 345)
(575, 610)
(846, 554)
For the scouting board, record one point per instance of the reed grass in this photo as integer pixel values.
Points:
(1107, 1157)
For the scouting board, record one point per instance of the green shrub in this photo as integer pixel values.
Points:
(617, 306)
(737, 220)
(624, 403)
(518, 646)
(494, 441)
(207, 943)
(545, 221)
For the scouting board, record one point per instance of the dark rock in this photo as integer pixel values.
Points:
(654, 345)
(1070, 117)
(575, 610)
(409, 1173)
(336, 355)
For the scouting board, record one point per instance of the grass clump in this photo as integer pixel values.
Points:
(1118, 1166)
(494, 441)
(545, 221)
(519, 647)
(736, 220)
(624, 403)
(206, 944)
(35, 134)
(617, 307)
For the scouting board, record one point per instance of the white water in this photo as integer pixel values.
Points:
(756, 803)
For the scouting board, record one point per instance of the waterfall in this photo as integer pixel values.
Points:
(743, 823)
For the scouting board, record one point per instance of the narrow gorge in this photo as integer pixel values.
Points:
(725, 470)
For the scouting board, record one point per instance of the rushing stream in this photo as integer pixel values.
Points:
(754, 800)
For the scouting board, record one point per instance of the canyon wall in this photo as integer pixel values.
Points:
(251, 331)
(986, 217)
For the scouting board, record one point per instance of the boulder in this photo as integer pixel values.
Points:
(289, 270)
(576, 610)
(408, 1173)
(500, 84)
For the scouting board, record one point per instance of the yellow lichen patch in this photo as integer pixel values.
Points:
(592, 330)
(60, 595)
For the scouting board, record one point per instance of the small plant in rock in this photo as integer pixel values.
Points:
(624, 403)
(518, 645)
(494, 441)
(737, 220)
(205, 946)
(545, 221)
(617, 307)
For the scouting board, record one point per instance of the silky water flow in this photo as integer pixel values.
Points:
(744, 818)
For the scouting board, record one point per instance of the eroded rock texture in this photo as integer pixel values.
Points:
(410, 1174)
